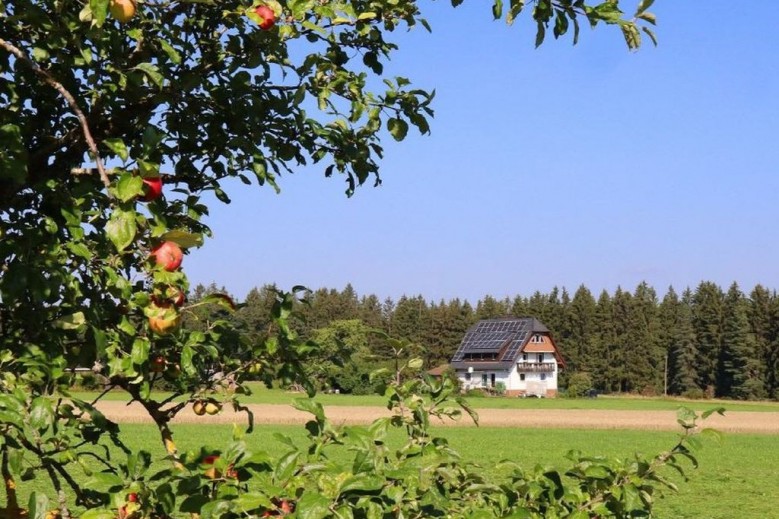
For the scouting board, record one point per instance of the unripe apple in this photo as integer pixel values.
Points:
(122, 10)
(213, 408)
(267, 15)
(168, 255)
(152, 188)
(199, 407)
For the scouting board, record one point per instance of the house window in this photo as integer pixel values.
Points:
(543, 376)
(521, 376)
(468, 377)
(484, 380)
(492, 380)
(540, 357)
(524, 357)
(537, 338)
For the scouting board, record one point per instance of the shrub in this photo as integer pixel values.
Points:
(579, 384)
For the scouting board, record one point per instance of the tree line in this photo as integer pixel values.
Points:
(701, 342)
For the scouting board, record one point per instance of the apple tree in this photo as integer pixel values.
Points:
(119, 119)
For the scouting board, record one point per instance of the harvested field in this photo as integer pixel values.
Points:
(737, 421)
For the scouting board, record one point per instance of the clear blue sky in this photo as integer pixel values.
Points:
(557, 166)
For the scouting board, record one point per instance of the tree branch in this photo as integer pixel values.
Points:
(49, 80)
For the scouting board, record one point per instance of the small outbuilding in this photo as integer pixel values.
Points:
(516, 351)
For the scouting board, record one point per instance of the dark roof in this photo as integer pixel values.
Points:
(507, 334)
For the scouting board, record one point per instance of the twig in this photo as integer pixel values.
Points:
(48, 79)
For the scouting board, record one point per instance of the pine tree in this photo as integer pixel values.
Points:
(582, 331)
(740, 370)
(519, 307)
(762, 326)
(707, 307)
(605, 340)
(644, 357)
(678, 339)
(491, 308)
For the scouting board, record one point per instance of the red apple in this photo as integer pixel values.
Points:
(267, 15)
(132, 497)
(152, 189)
(212, 472)
(163, 319)
(158, 363)
(168, 254)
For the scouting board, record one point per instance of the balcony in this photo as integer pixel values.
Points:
(536, 367)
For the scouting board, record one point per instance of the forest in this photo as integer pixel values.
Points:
(701, 343)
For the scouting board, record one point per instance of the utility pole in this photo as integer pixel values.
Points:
(665, 376)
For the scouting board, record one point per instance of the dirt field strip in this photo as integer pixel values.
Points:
(736, 421)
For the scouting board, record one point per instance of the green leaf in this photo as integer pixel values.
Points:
(99, 11)
(310, 406)
(152, 72)
(719, 410)
(398, 128)
(312, 505)
(104, 482)
(121, 228)
(497, 9)
(140, 351)
(38, 506)
(172, 53)
(13, 154)
(222, 300)
(416, 363)
(184, 239)
(643, 6)
(117, 146)
(71, 322)
(187, 354)
(129, 187)
(41, 413)
(98, 513)
(80, 250)
(251, 501)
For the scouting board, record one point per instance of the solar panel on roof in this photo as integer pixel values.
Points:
(491, 335)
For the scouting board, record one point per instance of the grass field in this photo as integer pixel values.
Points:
(738, 478)
(262, 395)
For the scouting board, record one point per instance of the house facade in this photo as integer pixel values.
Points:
(517, 352)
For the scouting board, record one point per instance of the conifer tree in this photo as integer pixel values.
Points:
(678, 340)
(740, 371)
(491, 308)
(605, 341)
(763, 327)
(582, 332)
(707, 307)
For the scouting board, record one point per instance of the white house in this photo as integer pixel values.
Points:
(519, 352)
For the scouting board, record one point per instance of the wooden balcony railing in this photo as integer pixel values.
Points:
(536, 367)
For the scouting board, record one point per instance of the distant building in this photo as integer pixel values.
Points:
(519, 352)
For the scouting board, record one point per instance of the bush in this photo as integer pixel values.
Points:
(578, 385)
(695, 393)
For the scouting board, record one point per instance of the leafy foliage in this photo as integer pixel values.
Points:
(101, 100)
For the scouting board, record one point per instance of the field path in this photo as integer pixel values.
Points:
(736, 421)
